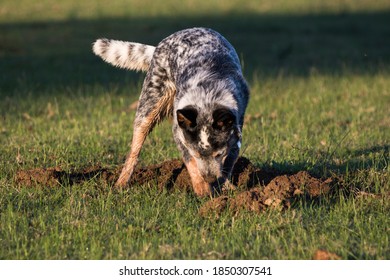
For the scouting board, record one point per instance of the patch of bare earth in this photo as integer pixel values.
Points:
(55, 176)
(260, 189)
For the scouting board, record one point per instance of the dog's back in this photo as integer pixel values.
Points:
(190, 57)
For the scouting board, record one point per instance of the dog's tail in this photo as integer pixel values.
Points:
(128, 55)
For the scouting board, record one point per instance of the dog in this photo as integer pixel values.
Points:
(194, 75)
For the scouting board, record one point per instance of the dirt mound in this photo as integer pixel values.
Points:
(277, 194)
(261, 189)
(169, 174)
(173, 174)
(54, 176)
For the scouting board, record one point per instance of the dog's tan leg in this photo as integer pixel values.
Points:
(148, 115)
(139, 136)
(200, 186)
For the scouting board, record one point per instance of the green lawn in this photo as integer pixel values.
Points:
(319, 73)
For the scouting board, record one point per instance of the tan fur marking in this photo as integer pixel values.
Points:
(201, 187)
(166, 102)
(182, 119)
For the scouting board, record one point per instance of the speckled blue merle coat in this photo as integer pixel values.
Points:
(194, 75)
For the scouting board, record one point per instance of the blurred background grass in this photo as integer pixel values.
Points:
(48, 42)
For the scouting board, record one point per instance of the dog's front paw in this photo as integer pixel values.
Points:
(202, 189)
(122, 182)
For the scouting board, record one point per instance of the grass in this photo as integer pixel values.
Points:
(319, 77)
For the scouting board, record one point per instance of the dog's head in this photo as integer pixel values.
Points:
(209, 134)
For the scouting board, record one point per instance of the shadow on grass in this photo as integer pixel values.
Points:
(353, 160)
(47, 55)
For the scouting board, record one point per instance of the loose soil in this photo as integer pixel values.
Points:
(257, 189)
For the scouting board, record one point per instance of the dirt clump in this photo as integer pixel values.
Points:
(325, 255)
(169, 174)
(277, 194)
(214, 207)
(246, 175)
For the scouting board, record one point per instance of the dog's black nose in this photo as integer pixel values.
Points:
(214, 181)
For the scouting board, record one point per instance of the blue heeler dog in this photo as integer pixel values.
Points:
(195, 76)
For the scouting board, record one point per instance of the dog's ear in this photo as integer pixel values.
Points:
(186, 117)
(223, 119)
